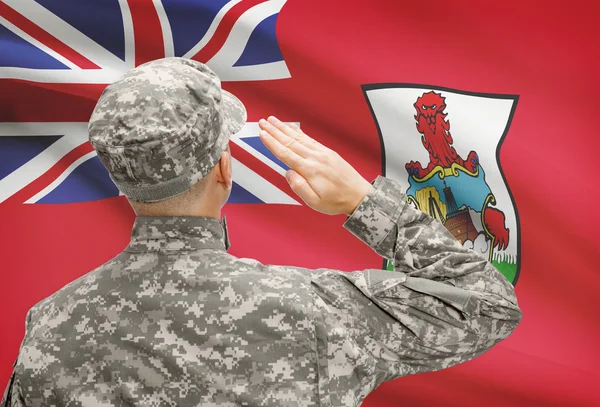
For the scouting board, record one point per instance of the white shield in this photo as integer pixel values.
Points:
(466, 192)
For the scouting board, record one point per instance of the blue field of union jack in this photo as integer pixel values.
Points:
(70, 42)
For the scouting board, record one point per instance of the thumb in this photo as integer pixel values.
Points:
(301, 187)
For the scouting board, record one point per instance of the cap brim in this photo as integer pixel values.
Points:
(234, 113)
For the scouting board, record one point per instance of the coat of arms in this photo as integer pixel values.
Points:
(443, 147)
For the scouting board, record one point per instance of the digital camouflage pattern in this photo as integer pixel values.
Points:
(163, 126)
(174, 320)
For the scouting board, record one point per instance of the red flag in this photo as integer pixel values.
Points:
(518, 83)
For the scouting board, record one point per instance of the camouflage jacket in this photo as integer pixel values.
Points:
(174, 320)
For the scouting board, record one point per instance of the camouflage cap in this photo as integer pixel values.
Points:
(163, 126)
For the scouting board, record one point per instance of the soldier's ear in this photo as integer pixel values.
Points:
(224, 170)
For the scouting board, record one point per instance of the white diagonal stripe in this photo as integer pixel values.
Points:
(66, 33)
(251, 129)
(165, 26)
(260, 156)
(211, 29)
(36, 43)
(61, 177)
(75, 134)
(238, 38)
(258, 186)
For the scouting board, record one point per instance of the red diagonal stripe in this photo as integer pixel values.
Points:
(261, 169)
(223, 30)
(147, 32)
(46, 178)
(48, 40)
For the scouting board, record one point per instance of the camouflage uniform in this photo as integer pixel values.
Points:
(174, 320)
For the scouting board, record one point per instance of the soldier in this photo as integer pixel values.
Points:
(174, 320)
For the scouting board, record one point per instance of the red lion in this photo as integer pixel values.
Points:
(432, 124)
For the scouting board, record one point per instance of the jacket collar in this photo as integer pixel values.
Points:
(177, 233)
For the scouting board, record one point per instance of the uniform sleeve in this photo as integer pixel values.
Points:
(443, 305)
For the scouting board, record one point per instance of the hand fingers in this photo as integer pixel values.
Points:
(309, 141)
(293, 132)
(301, 187)
(289, 157)
(289, 142)
(298, 129)
(286, 136)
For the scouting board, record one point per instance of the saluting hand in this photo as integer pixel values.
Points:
(319, 175)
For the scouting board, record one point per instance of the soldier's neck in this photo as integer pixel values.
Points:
(209, 211)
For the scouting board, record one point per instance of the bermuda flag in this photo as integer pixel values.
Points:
(483, 112)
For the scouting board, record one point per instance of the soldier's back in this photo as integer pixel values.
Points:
(182, 324)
